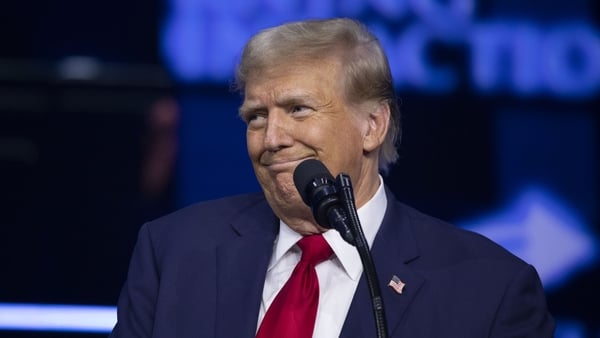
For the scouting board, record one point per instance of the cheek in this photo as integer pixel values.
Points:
(349, 146)
(350, 136)
(253, 145)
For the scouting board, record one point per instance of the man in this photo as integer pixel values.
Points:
(321, 90)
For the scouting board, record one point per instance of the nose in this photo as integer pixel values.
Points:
(278, 132)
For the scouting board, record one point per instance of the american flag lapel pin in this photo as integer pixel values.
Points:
(397, 284)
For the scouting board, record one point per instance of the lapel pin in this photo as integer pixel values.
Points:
(397, 284)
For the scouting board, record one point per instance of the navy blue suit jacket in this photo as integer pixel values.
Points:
(199, 272)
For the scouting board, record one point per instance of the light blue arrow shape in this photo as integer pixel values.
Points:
(544, 232)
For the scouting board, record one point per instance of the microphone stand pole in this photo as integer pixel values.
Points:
(346, 196)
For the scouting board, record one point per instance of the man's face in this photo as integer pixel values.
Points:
(293, 113)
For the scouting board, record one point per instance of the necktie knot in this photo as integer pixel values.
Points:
(315, 249)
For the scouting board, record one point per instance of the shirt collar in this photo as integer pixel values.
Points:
(286, 239)
(370, 216)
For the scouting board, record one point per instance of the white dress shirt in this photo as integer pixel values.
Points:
(338, 276)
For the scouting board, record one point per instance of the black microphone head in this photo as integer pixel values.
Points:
(309, 173)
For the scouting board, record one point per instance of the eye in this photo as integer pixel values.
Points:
(255, 121)
(300, 110)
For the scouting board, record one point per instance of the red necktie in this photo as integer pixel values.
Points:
(294, 310)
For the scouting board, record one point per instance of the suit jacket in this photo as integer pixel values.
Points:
(199, 272)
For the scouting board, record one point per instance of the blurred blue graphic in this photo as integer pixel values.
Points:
(544, 232)
(201, 38)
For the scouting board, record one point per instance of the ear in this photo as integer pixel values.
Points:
(377, 126)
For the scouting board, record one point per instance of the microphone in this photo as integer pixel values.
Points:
(317, 189)
(332, 204)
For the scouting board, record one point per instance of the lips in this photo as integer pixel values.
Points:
(282, 164)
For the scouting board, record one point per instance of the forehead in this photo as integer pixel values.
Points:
(300, 78)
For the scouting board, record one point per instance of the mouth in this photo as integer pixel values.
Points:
(279, 165)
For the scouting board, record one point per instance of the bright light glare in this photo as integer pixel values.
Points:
(53, 317)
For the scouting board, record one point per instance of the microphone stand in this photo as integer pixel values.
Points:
(346, 196)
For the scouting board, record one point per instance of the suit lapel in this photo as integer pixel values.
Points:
(241, 268)
(393, 249)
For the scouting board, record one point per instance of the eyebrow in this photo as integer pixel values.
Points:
(285, 101)
(246, 109)
(295, 99)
